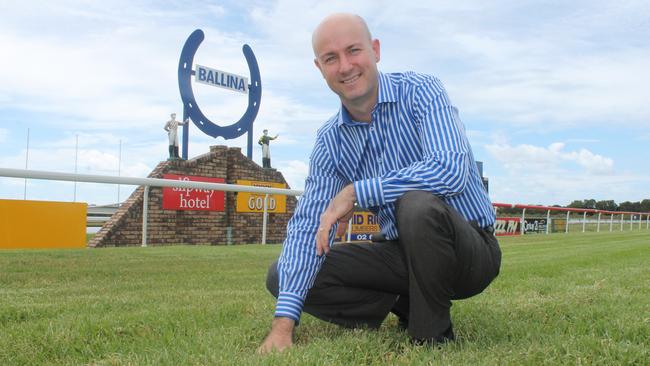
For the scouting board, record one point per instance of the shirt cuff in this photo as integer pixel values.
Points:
(289, 306)
(369, 192)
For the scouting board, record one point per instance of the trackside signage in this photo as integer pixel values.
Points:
(175, 198)
(364, 225)
(535, 226)
(221, 79)
(507, 226)
(254, 202)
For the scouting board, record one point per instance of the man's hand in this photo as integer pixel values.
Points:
(280, 337)
(339, 210)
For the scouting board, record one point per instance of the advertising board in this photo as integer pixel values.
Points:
(507, 226)
(175, 198)
(254, 202)
(364, 225)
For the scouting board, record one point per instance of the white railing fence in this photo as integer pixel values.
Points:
(596, 220)
(151, 182)
(157, 182)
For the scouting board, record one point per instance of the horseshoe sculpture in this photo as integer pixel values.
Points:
(192, 110)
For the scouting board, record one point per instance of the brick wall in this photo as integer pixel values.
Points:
(167, 227)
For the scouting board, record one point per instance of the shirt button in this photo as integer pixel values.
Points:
(371, 201)
(380, 160)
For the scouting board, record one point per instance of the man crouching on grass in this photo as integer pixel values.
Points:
(398, 148)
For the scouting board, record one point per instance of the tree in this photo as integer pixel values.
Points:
(576, 204)
(608, 205)
(630, 206)
(645, 205)
(591, 203)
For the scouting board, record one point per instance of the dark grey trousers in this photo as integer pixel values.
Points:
(438, 257)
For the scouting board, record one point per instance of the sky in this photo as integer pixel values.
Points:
(554, 95)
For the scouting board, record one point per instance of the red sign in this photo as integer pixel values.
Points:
(507, 226)
(175, 198)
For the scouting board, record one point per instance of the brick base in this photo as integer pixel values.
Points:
(168, 227)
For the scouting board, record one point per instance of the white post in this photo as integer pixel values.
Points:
(640, 221)
(76, 160)
(631, 221)
(119, 171)
(584, 221)
(145, 215)
(548, 220)
(566, 229)
(611, 222)
(349, 233)
(647, 222)
(26, 163)
(598, 226)
(622, 217)
(523, 221)
(266, 200)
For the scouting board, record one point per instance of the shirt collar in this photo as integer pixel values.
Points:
(385, 94)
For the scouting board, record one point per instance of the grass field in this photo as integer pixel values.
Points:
(560, 299)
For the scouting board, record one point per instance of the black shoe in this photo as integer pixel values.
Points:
(446, 336)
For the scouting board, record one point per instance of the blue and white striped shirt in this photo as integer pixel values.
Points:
(415, 141)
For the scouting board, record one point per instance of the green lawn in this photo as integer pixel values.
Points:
(560, 299)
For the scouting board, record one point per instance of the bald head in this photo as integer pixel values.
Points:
(347, 57)
(329, 26)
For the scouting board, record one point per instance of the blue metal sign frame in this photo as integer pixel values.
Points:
(191, 108)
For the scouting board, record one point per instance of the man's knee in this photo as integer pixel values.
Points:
(272, 279)
(417, 205)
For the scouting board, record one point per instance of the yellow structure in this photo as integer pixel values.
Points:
(254, 202)
(42, 224)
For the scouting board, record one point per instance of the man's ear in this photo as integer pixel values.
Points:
(376, 49)
(317, 64)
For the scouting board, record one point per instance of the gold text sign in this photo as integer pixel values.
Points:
(254, 202)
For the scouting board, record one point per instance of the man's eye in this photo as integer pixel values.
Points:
(329, 60)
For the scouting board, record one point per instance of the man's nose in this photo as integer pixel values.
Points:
(344, 65)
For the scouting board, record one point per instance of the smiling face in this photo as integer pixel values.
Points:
(347, 58)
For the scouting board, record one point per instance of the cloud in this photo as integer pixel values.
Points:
(107, 72)
(294, 172)
(524, 159)
(577, 90)
(552, 175)
(593, 163)
(551, 188)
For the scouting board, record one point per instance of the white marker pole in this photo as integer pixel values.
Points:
(622, 218)
(566, 229)
(145, 215)
(119, 171)
(349, 231)
(76, 160)
(26, 163)
(266, 200)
